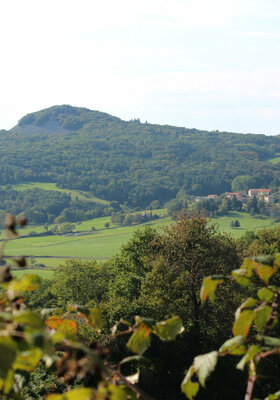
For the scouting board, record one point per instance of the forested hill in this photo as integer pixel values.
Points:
(132, 162)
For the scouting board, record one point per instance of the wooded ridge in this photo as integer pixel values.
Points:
(130, 161)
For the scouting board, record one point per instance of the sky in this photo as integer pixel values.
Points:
(206, 64)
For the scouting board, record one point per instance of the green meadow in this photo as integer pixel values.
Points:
(85, 196)
(247, 223)
(44, 274)
(275, 160)
(100, 244)
(104, 243)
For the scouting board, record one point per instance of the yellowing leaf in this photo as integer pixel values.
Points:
(234, 346)
(54, 321)
(169, 329)
(68, 326)
(117, 392)
(265, 272)
(262, 316)
(265, 294)
(140, 340)
(249, 263)
(274, 396)
(76, 394)
(27, 360)
(242, 276)
(277, 260)
(28, 282)
(208, 288)
(95, 318)
(243, 323)
(248, 303)
(251, 353)
(190, 389)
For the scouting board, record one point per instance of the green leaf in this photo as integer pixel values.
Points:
(269, 340)
(117, 392)
(28, 360)
(140, 340)
(204, 365)
(243, 323)
(265, 272)
(248, 303)
(274, 396)
(28, 318)
(249, 263)
(242, 276)
(277, 260)
(208, 288)
(76, 394)
(190, 389)
(265, 294)
(95, 318)
(234, 346)
(266, 259)
(251, 353)
(28, 282)
(169, 329)
(8, 352)
(9, 382)
(262, 316)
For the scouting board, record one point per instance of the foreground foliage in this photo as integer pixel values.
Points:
(255, 329)
(29, 339)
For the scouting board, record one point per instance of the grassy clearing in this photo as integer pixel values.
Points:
(275, 160)
(44, 274)
(247, 223)
(84, 196)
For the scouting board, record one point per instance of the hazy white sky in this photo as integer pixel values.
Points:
(212, 64)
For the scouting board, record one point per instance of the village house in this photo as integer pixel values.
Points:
(259, 192)
(269, 199)
(240, 196)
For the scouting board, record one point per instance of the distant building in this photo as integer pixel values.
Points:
(269, 199)
(212, 196)
(259, 192)
(241, 196)
(148, 215)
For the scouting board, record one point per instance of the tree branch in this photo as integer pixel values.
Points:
(251, 382)
(136, 389)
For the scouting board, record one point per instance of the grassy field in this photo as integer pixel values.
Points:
(275, 160)
(247, 223)
(42, 273)
(102, 243)
(84, 196)
(105, 243)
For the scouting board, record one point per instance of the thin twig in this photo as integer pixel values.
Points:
(267, 353)
(251, 382)
(116, 335)
(136, 389)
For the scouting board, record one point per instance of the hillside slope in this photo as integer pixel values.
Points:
(129, 161)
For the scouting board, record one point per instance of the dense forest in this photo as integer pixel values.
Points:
(132, 162)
